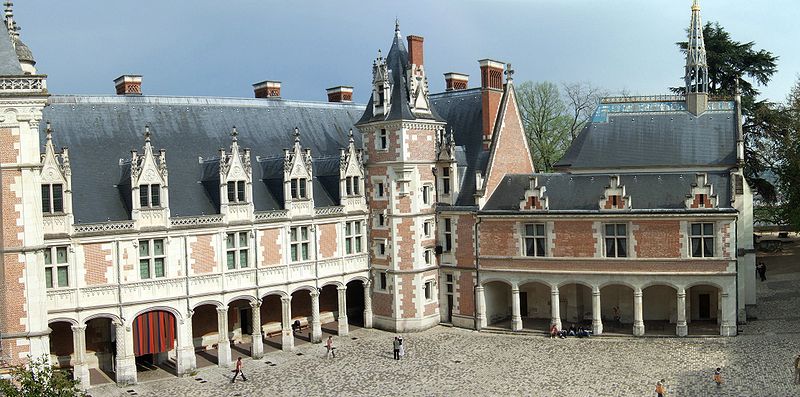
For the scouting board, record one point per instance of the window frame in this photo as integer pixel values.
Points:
(427, 228)
(237, 249)
(382, 139)
(151, 258)
(617, 238)
(150, 195)
(353, 237)
(702, 239)
(445, 181)
(536, 234)
(50, 198)
(52, 269)
(237, 192)
(299, 246)
(427, 290)
(427, 256)
(426, 194)
(447, 235)
(298, 188)
(383, 281)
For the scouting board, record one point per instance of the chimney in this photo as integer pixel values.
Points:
(128, 84)
(491, 94)
(340, 93)
(456, 81)
(267, 89)
(415, 50)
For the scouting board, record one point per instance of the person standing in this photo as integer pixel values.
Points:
(797, 370)
(238, 370)
(396, 345)
(402, 351)
(329, 345)
(661, 388)
(718, 376)
(762, 271)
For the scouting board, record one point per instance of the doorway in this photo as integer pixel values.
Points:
(704, 306)
(523, 303)
(246, 319)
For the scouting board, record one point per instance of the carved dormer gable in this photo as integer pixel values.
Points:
(235, 181)
(445, 145)
(418, 89)
(702, 194)
(297, 178)
(614, 197)
(381, 86)
(56, 180)
(535, 198)
(351, 177)
(149, 185)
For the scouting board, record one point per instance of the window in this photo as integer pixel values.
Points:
(426, 194)
(351, 186)
(382, 284)
(428, 256)
(380, 248)
(448, 235)
(298, 187)
(383, 137)
(236, 192)
(449, 283)
(56, 268)
(446, 180)
(380, 219)
(352, 237)
(150, 195)
(379, 190)
(616, 236)
(52, 198)
(236, 245)
(427, 226)
(535, 240)
(428, 290)
(299, 243)
(151, 258)
(702, 236)
(381, 96)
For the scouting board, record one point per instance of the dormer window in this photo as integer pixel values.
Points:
(381, 97)
(52, 198)
(446, 180)
(383, 139)
(351, 185)
(298, 188)
(236, 192)
(150, 196)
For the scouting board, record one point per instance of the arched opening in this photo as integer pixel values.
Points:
(240, 327)
(575, 304)
(155, 345)
(659, 309)
(271, 311)
(703, 310)
(535, 306)
(497, 295)
(101, 350)
(205, 335)
(301, 316)
(62, 349)
(616, 308)
(355, 303)
(329, 309)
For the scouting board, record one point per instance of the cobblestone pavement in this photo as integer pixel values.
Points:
(447, 361)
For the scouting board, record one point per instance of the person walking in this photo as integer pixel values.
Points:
(797, 370)
(718, 376)
(661, 388)
(762, 271)
(238, 370)
(396, 345)
(329, 345)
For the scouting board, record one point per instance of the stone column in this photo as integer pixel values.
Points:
(126, 361)
(316, 324)
(555, 308)
(224, 344)
(287, 337)
(80, 368)
(480, 306)
(638, 323)
(186, 362)
(597, 317)
(344, 328)
(257, 349)
(516, 318)
(728, 326)
(681, 329)
(368, 304)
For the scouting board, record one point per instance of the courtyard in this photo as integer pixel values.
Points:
(445, 361)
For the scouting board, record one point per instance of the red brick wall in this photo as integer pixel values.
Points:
(203, 255)
(96, 263)
(622, 266)
(510, 154)
(490, 103)
(657, 239)
(573, 239)
(497, 238)
(13, 293)
(405, 247)
(376, 155)
(270, 247)
(421, 148)
(466, 294)
(10, 201)
(327, 239)
(407, 295)
(8, 151)
(382, 304)
(465, 230)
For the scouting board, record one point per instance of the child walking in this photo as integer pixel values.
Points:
(718, 376)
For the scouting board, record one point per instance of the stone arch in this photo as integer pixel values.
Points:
(535, 301)
(497, 296)
(309, 288)
(363, 279)
(704, 305)
(335, 283)
(172, 310)
(653, 283)
(212, 302)
(114, 318)
(616, 282)
(617, 306)
(575, 302)
(496, 279)
(533, 280)
(248, 298)
(63, 320)
(577, 282)
(705, 282)
(277, 292)
(660, 307)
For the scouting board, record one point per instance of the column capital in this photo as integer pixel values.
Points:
(189, 313)
(681, 293)
(553, 290)
(255, 305)
(637, 292)
(222, 310)
(286, 299)
(479, 288)
(342, 288)
(595, 291)
(367, 283)
(724, 294)
(78, 328)
(514, 289)
(314, 292)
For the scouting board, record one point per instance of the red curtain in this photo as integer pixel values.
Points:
(153, 332)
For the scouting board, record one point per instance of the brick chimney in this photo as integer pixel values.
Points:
(267, 89)
(456, 81)
(415, 50)
(491, 94)
(340, 93)
(128, 84)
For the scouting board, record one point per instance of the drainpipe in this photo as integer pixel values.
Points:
(477, 273)
(119, 280)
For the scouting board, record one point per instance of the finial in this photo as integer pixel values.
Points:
(396, 24)
(49, 130)
(696, 5)
(350, 135)
(509, 72)
(296, 135)
(234, 134)
(147, 133)
(380, 54)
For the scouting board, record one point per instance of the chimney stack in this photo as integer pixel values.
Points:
(128, 84)
(340, 93)
(267, 89)
(491, 94)
(415, 50)
(456, 81)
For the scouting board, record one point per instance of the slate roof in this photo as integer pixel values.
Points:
(9, 63)
(101, 131)
(654, 134)
(462, 110)
(582, 192)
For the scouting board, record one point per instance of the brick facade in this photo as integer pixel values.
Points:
(574, 239)
(270, 247)
(327, 240)
(203, 255)
(98, 262)
(510, 139)
(657, 239)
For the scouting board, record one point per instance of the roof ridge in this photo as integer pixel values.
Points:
(188, 100)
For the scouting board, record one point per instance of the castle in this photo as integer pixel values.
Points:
(145, 230)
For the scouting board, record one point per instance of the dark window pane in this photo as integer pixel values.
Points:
(155, 195)
(708, 246)
(240, 191)
(48, 277)
(63, 276)
(230, 240)
(355, 185)
(622, 247)
(46, 199)
(58, 198)
(348, 185)
(61, 255)
(540, 247)
(243, 258)
(447, 225)
(302, 183)
(621, 229)
(529, 230)
(48, 257)
(358, 244)
(529, 247)
(294, 188)
(144, 195)
(695, 229)
(230, 258)
(383, 280)
(158, 247)
(448, 243)
(144, 268)
(294, 252)
(609, 230)
(243, 239)
(144, 248)
(696, 252)
(305, 251)
(159, 267)
(231, 192)
(540, 230)
(708, 229)
(610, 248)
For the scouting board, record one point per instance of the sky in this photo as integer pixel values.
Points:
(222, 47)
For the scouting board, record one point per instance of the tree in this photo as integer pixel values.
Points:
(41, 380)
(730, 62)
(788, 164)
(553, 116)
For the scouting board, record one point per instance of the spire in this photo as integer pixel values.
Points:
(397, 28)
(12, 27)
(696, 65)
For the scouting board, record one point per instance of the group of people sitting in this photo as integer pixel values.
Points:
(580, 332)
